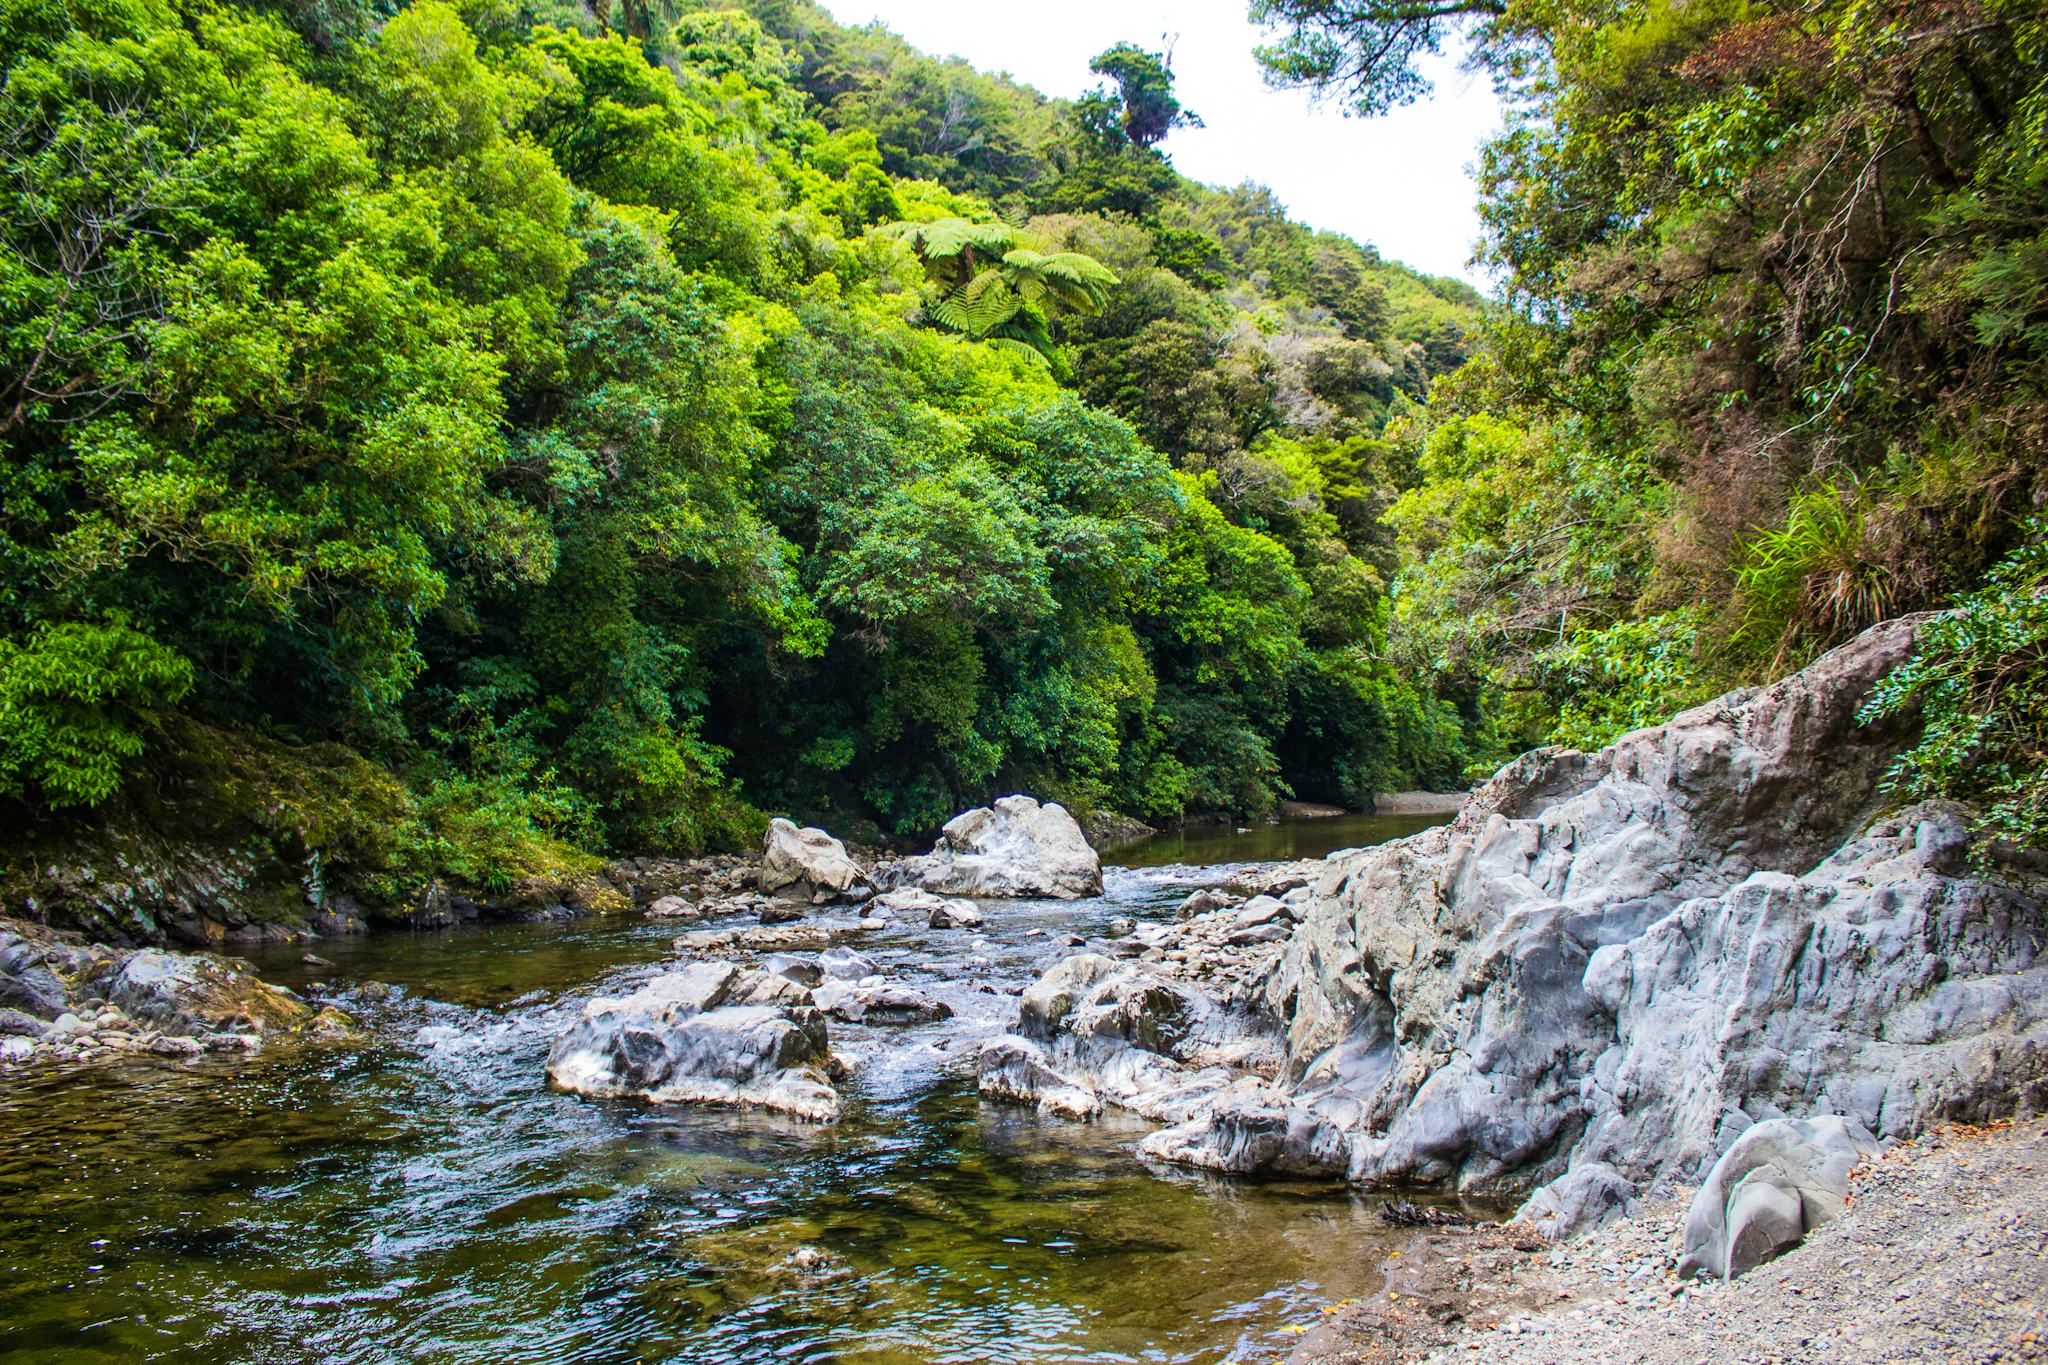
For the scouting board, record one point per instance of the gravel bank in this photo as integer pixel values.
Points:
(1943, 1256)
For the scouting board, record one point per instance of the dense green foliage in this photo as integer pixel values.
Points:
(615, 425)
(1772, 362)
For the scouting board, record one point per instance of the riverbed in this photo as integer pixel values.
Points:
(424, 1196)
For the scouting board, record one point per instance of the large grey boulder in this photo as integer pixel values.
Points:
(1093, 1031)
(713, 1033)
(1779, 1181)
(806, 863)
(1017, 847)
(192, 993)
(1621, 959)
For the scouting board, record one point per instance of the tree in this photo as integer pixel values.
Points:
(1144, 84)
(1363, 52)
(993, 288)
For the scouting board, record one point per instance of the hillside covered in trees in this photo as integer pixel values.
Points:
(1770, 365)
(443, 444)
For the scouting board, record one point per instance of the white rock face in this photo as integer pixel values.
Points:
(808, 862)
(1610, 964)
(1018, 847)
(712, 1033)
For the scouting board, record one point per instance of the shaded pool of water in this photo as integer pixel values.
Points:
(1273, 841)
(424, 1197)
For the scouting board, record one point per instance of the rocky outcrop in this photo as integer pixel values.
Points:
(1017, 847)
(1609, 964)
(712, 1033)
(808, 864)
(939, 912)
(1094, 1031)
(60, 999)
(878, 1002)
(1780, 1180)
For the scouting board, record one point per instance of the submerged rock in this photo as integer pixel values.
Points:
(713, 1033)
(808, 862)
(1017, 847)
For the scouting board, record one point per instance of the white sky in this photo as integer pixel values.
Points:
(1402, 182)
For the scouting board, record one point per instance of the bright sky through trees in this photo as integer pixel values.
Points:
(1401, 183)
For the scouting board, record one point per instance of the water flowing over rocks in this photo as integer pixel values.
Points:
(808, 864)
(713, 1033)
(63, 1000)
(1599, 974)
(1016, 848)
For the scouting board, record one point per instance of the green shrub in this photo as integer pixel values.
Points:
(74, 699)
(1980, 679)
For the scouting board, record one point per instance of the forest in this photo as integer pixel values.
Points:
(468, 440)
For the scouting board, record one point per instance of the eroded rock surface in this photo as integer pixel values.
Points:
(1779, 1181)
(808, 863)
(712, 1033)
(1609, 964)
(64, 1000)
(1018, 847)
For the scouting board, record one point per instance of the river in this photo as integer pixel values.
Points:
(424, 1197)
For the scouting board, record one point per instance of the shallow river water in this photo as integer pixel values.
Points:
(426, 1198)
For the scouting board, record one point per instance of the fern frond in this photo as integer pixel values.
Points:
(1012, 346)
(1079, 282)
(977, 307)
(946, 238)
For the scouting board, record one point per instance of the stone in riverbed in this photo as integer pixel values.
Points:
(191, 993)
(879, 1003)
(806, 863)
(675, 907)
(714, 1034)
(940, 912)
(1094, 1031)
(1203, 902)
(1779, 1181)
(1016, 848)
(956, 914)
(802, 970)
(844, 964)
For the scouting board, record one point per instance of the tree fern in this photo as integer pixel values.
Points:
(1079, 282)
(977, 307)
(992, 289)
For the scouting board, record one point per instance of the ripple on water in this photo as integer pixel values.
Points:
(426, 1197)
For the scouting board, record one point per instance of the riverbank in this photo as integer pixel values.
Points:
(1942, 1256)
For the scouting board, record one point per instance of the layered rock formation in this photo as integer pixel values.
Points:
(808, 864)
(712, 1033)
(1018, 847)
(1610, 964)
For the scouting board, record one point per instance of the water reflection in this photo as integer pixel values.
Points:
(1271, 842)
